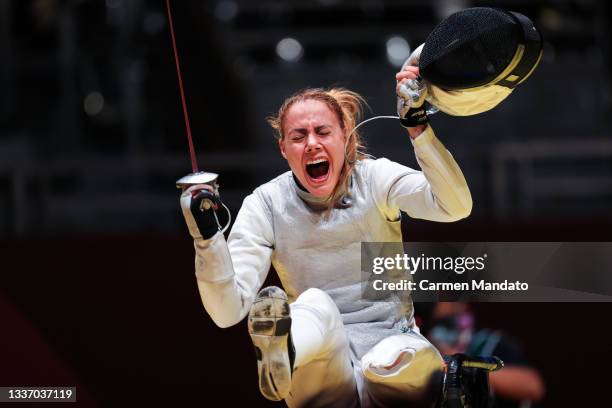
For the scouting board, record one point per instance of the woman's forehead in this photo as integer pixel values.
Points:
(310, 110)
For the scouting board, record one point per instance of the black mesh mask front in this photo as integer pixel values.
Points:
(470, 48)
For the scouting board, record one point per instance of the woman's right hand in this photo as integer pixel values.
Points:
(199, 203)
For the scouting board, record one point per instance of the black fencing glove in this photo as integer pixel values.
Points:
(411, 106)
(199, 206)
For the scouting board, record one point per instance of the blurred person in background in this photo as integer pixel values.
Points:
(452, 330)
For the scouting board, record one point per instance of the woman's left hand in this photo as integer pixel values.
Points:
(409, 72)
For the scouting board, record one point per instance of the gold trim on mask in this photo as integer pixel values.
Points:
(518, 55)
(534, 66)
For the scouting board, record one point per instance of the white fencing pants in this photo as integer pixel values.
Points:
(397, 369)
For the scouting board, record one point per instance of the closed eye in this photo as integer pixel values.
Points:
(323, 130)
(297, 134)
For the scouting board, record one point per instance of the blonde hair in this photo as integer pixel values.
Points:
(348, 107)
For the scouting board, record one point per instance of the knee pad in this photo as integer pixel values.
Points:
(407, 359)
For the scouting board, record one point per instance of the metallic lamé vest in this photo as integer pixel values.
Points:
(315, 249)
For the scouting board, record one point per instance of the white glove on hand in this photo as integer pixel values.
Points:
(411, 94)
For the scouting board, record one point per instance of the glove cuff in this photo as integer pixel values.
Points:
(415, 117)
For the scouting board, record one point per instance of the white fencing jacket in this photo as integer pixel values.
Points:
(282, 225)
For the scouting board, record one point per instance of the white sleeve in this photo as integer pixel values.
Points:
(438, 193)
(230, 274)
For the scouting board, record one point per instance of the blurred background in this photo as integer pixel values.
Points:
(96, 283)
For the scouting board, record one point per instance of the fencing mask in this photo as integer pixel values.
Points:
(474, 59)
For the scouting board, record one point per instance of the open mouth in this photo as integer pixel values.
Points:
(318, 169)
